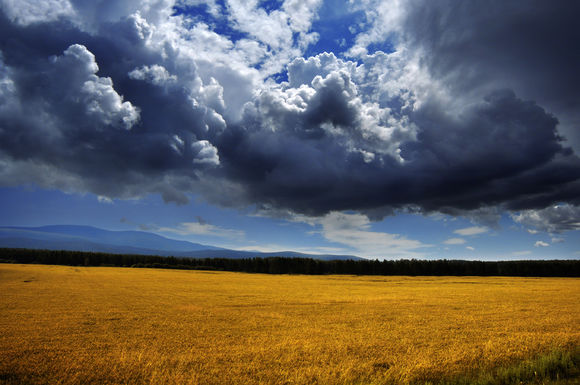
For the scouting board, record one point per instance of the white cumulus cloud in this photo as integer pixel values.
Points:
(154, 74)
(354, 231)
(472, 230)
(26, 12)
(205, 152)
(97, 94)
(455, 241)
(202, 229)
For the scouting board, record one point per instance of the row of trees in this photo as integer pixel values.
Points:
(280, 265)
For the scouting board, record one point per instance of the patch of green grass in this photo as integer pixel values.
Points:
(558, 367)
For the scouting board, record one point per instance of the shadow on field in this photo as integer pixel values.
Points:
(555, 368)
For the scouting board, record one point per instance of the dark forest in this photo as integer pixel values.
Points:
(281, 265)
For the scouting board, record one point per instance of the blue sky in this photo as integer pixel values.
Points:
(382, 129)
(439, 236)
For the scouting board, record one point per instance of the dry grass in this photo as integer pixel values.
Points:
(75, 325)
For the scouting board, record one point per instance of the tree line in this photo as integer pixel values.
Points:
(283, 265)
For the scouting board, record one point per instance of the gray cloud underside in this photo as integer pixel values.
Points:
(465, 116)
(554, 219)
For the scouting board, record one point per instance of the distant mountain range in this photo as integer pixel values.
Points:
(87, 238)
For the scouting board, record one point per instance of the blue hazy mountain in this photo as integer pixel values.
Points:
(87, 238)
(93, 235)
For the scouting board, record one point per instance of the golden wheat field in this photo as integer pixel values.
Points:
(79, 325)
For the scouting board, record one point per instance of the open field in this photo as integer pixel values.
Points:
(77, 325)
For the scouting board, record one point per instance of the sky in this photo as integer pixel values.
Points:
(382, 129)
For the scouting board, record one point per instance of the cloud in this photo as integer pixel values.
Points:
(470, 248)
(345, 163)
(272, 248)
(384, 18)
(455, 241)
(86, 90)
(205, 153)
(106, 200)
(353, 231)
(25, 12)
(485, 216)
(280, 35)
(202, 229)
(139, 97)
(459, 46)
(554, 219)
(7, 87)
(154, 74)
(541, 244)
(472, 230)
(79, 133)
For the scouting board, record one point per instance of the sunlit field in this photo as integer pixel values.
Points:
(77, 325)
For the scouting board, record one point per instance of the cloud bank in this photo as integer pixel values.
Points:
(473, 110)
(553, 219)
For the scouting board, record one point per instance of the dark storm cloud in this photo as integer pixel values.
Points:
(502, 151)
(64, 111)
(528, 46)
(122, 105)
